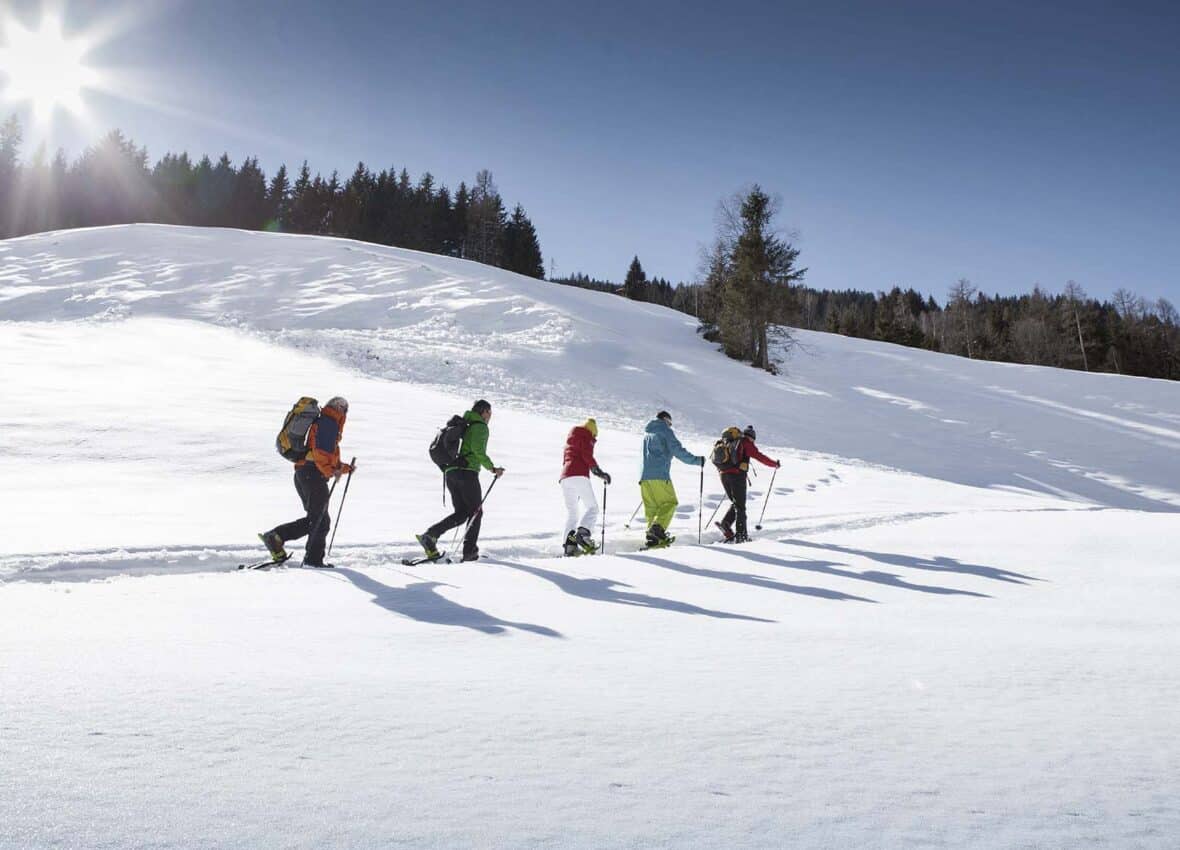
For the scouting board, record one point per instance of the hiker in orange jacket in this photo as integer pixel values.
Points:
(311, 483)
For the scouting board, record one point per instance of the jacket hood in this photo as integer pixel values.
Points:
(472, 416)
(656, 425)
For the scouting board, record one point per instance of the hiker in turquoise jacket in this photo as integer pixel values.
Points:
(660, 445)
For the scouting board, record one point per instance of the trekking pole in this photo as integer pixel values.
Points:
(633, 514)
(320, 519)
(602, 548)
(715, 510)
(758, 527)
(340, 510)
(701, 505)
(479, 510)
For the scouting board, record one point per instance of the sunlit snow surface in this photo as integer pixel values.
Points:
(958, 626)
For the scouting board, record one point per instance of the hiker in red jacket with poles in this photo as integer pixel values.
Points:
(578, 464)
(731, 456)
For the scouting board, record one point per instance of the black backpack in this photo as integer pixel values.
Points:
(725, 450)
(444, 448)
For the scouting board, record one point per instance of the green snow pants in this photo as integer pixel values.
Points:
(659, 502)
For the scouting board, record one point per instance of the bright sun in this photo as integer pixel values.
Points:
(43, 67)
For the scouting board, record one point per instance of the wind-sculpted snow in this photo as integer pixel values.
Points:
(469, 329)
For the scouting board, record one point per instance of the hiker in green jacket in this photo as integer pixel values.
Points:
(462, 481)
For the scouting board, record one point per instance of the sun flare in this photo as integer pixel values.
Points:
(43, 67)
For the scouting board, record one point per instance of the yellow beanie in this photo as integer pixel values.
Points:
(592, 427)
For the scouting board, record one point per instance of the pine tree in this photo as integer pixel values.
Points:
(248, 208)
(762, 270)
(303, 202)
(486, 221)
(11, 136)
(522, 250)
(278, 201)
(635, 283)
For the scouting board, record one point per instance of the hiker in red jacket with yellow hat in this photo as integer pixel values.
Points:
(578, 464)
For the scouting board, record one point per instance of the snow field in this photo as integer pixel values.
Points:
(958, 627)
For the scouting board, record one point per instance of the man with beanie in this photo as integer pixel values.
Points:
(660, 445)
(462, 481)
(733, 479)
(581, 507)
(311, 483)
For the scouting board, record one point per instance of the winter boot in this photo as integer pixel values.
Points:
(726, 531)
(274, 545)
(740, 538)
(570, 546)
(320, 566)
(657, 538)
(470, 556)
(429, 545)
(585, 541)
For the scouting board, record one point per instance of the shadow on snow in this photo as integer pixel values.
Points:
(833, 569)
(606, 590)
(420, 602)
(750, 579)
(935, 564)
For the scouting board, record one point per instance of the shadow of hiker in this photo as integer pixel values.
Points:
(833, 569)
(936, 564)
(605, 590)
(751, 579)
(420, 602)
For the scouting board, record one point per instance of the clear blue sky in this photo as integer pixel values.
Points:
(911, 143)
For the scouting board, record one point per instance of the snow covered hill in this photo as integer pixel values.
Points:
(958, 626)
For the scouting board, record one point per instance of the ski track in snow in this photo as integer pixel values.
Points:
(956, 628)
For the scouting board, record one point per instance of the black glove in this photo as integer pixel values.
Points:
(702, 460)
(605, 476)
(778, 464)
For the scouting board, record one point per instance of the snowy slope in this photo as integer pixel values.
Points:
(959, 626)
(460, 326)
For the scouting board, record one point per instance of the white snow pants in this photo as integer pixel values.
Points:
(577, 489)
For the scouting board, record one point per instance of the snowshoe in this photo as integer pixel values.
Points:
(570, 546)
(584, 541)
(726, 531)
(429, 545)
(265, 565)
(657, 538)
(320, 566)
(469, 556)
(414, 562)
(274, 545)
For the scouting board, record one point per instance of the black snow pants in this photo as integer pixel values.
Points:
(735, 488)
(466, 496)
(312, 488)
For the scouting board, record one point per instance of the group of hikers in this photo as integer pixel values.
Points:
(311, 438)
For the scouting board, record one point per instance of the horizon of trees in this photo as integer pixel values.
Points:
(749, 282)
(112, 182)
